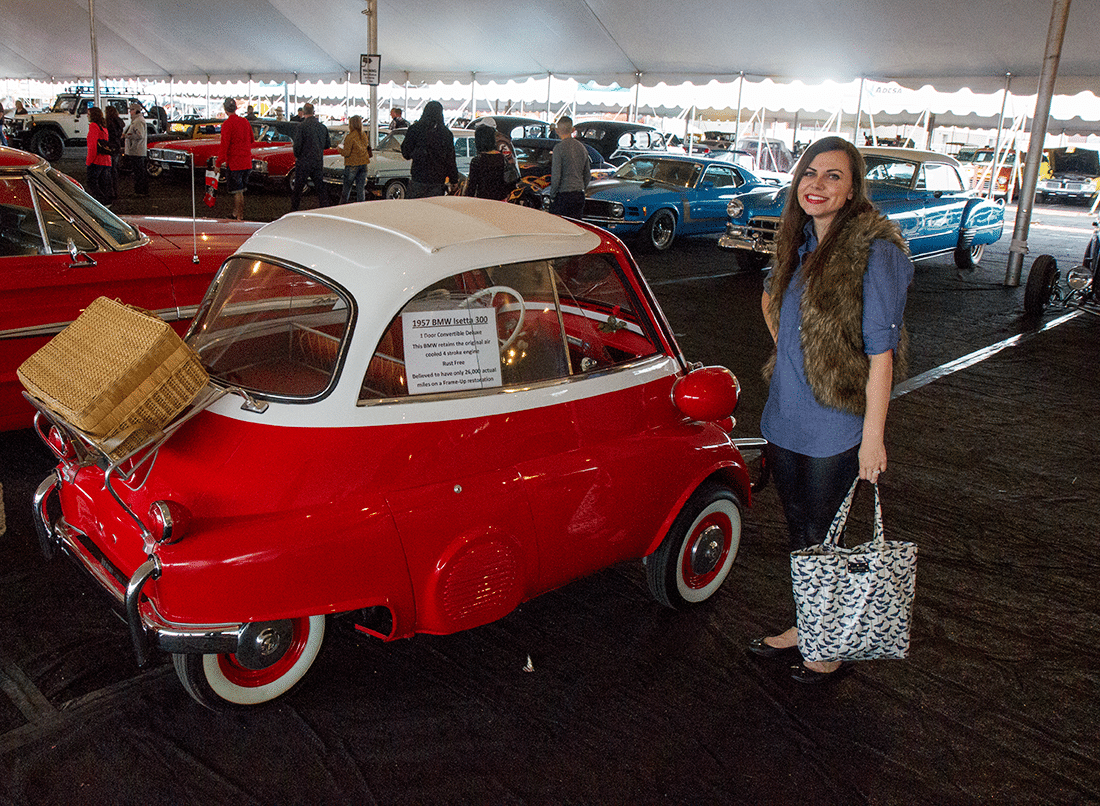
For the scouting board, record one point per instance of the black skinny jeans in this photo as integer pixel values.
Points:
(812, 490)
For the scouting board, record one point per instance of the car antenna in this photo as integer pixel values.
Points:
(194, 215)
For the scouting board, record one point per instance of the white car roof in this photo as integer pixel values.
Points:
(911, 154)
(383, 252)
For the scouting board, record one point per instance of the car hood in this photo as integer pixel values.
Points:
(630, 189)
(218, 234)
(190, 145)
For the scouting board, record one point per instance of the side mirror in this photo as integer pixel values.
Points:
(707, 394)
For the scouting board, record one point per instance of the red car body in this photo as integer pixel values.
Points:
(161, 264)
(466, 404)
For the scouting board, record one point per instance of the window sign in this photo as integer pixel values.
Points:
(451, 350)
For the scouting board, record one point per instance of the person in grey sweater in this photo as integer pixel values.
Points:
(570, 172)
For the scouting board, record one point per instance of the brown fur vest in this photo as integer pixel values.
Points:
(832, 317)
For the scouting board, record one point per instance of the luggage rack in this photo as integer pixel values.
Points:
(89, 451)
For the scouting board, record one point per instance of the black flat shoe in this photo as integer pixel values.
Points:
(803, 674)
(758, 646)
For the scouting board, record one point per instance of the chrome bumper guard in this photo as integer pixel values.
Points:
(743, 238)
(146, 630)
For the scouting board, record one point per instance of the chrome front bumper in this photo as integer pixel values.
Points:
(147, 629)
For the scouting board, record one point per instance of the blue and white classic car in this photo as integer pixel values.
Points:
(922, 190)
(659, 197)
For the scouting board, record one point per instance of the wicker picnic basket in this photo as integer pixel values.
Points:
(116, 373)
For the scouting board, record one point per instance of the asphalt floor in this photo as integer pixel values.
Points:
(594, 693)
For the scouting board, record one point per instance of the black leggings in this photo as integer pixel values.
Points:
(811, 489)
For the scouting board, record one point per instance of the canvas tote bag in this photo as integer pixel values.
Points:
(854, 604)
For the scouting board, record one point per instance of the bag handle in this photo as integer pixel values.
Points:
(841, 518)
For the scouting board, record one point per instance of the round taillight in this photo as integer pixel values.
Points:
(170, 521)
(707, 394)
(60, 444)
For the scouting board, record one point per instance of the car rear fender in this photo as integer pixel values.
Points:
(982, 221)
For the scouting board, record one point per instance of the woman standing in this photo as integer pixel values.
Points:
(833, 303)
(115, 129)
(98, 158)
(357, 152)
(487, 168)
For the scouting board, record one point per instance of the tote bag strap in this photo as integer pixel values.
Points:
(841, 518)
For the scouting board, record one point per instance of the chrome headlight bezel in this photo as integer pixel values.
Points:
(735, 208)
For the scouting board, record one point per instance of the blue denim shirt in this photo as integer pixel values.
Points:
(792, 418)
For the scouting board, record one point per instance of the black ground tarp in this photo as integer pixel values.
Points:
(993, 472)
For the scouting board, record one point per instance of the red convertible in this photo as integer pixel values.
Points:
(60, 249)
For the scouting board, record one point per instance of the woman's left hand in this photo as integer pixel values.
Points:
(872, 459)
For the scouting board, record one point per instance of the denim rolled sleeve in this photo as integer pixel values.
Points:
(885, 287)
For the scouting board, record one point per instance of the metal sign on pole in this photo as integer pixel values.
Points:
(370, 69)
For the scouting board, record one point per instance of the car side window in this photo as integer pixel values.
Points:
(891, 172)
(940, 177)
(722, 177)
(19, 230)
(508, 326)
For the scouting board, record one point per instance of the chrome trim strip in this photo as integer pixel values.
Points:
(52, 329)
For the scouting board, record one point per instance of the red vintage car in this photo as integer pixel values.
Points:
(60, 249)
(273, 155)
(421, 414)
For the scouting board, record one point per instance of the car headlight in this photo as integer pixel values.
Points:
(1078, 278)
(617, 210)
(260, 166)
(735, 208)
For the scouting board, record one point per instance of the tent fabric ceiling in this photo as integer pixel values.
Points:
(944, 43)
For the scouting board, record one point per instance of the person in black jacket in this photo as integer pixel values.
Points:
(431, 147)
(487, 168)
(310, 141)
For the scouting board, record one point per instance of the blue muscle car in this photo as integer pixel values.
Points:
(922, 190)
(660, 197)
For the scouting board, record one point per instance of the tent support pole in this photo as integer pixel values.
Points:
(95, 53)
(859, 112)
(1059, 13)
(737, 128)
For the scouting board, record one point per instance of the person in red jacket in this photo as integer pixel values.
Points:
(235, 153)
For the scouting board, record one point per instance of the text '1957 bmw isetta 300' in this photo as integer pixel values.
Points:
(420, 414)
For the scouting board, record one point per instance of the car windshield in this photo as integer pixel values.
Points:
(272, 330)
(75, 198)
(391, 142)
(269, 134)
(65, 104)
(667, 172)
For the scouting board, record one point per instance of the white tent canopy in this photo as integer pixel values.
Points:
(940, 42)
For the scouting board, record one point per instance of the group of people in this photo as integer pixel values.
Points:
(113, 144)
(494, 172)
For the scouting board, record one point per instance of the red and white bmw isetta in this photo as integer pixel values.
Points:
(421, 414)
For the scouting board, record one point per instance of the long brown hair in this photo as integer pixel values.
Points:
(95, 115)
(794, 219)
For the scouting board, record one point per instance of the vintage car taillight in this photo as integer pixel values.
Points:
(60, 444)
(170, 521)
(707, 394)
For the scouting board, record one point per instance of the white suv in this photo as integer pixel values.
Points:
(66, 122)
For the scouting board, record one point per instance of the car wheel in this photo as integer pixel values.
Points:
(659, 231)
(395, 189)
(48, 144)
(967, 257)
(698, 552)
(218, 681)
(1042, 279)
